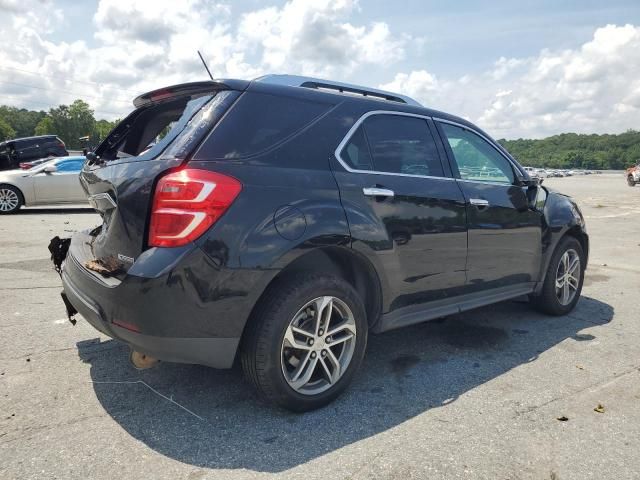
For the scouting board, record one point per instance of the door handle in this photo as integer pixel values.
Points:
(377, 192)
(479, 202)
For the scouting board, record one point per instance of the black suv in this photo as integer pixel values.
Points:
(12, 152)
(282, 220)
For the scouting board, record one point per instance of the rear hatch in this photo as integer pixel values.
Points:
(158, 136)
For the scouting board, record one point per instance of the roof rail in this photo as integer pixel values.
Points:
(338, 87)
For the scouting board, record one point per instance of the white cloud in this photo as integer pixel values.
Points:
(594, 88)
(139, 45)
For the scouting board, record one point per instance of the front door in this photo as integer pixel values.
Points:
(403, 209)
(505, 244)
(61, 186)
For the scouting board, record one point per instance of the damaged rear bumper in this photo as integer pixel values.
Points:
(155, 309)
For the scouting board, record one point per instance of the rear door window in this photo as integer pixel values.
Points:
(397, 144)
(258, 122)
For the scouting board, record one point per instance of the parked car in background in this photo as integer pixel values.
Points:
(55, 182)
(632, 175)
(281, 221)
(12, 152)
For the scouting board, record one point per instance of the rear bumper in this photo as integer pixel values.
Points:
(170, 305)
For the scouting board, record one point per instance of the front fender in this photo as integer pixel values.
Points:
(561, 217)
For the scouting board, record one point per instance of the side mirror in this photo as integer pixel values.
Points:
(50, 169)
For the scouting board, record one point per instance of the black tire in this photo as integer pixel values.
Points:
(5, 197)
(261, 350)
(547, 301)
(630, 181)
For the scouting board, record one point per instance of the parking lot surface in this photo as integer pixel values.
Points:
(477, 395)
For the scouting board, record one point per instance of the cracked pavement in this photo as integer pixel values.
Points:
(474, 396)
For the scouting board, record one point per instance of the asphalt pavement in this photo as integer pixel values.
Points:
(483, 394)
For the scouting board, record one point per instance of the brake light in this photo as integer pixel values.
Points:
(186, 203)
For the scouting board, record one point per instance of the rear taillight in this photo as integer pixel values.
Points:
(186, 203)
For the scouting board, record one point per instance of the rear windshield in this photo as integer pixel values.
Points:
(171, 127)
(258, 122)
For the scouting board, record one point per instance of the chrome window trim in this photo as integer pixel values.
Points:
(359, 122)
(486, 139)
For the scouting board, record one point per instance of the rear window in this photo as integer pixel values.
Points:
(259, 122)
(171, 127)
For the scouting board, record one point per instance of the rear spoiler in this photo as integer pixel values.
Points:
(188, 89)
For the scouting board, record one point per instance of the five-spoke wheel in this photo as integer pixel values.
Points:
(563, 280)
(10, 199)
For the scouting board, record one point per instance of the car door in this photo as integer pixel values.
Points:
(505, 246)
(61, 186)
(27, 150)
(404, 212)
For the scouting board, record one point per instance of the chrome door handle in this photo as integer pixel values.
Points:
(377, 192)
(479, 202)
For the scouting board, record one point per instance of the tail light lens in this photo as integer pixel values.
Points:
(186, 203)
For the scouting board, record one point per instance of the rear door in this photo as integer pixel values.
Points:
(28, 150)
(402, 208)
(505, 244)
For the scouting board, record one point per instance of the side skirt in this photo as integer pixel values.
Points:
(413, 314)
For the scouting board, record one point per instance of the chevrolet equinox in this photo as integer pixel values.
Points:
(280, 221)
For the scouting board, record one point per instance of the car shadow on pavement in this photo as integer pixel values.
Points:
(213, 419)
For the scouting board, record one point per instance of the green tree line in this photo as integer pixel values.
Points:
(572, 150)
(69, 122)
(568, 150)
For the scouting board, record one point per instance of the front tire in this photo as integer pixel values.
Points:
(11, 199)
(630, 181)
(305, 342)
(563, 281)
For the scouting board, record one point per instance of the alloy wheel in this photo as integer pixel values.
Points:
(8, 200)
(318, 345)
(568, 277)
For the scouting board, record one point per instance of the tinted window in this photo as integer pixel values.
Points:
(257, 122)
(401, 144)
(356, 153)
(477, 159)
(70, 166)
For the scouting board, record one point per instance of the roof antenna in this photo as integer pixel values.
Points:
(205, 64)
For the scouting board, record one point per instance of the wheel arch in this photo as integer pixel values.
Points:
(333, 260)
(574, 231)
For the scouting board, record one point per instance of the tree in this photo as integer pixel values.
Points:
(102, 129)
(23, 121)
(6, 131)
(69, 122)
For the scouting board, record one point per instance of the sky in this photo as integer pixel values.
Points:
(518, 69)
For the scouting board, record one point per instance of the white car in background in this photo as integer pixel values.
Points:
(56, 182)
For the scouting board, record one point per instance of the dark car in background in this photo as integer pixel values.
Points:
(13, 152)
(283, 220)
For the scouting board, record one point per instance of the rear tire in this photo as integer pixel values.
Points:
(11, 199)
(630, 181)
(312, 368)
(563, 280)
